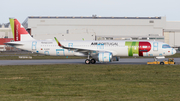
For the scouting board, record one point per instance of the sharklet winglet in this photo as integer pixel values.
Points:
(59, 44)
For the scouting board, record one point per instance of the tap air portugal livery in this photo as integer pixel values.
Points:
(101, 51)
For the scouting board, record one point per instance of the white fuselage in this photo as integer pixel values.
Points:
(117, 48)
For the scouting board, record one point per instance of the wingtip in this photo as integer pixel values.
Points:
(59, 44)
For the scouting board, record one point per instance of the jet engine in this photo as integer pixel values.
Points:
(105, 57)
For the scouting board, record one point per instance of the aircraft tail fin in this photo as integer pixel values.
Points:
(19, 32)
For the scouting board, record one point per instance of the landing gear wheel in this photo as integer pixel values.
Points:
(93, 61)
(161, 63)
(87, 61)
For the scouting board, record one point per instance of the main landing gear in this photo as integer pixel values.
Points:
(88, 61)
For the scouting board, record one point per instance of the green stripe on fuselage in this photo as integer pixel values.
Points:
(133, 48)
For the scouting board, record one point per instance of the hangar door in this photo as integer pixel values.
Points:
(171, 39)
(177, 39)
(174, 40)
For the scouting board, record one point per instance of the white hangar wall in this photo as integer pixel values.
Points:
(172, 33)
(94, 28)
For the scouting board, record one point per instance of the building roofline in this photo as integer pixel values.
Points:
(93, 17)
(171, 30)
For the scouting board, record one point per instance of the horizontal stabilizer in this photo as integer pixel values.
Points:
(13, 43)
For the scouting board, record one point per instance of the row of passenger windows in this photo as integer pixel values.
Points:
(78, 46)
(94, 46)
(140, 46)
(49, 45)
(163, 46)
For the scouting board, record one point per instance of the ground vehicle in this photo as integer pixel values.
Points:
(170, 61)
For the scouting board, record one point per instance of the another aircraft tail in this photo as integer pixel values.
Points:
(19, 32)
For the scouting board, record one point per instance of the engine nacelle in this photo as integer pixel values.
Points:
(105, 57)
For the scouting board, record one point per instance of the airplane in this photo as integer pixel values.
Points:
(101, 51)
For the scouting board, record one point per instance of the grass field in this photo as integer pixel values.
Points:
(90, 83)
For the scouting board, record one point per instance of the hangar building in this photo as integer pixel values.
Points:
(5, 36)
(96, 28)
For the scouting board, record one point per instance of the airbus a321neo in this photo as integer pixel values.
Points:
(101, 51)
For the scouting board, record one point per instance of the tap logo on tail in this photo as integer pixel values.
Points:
(17, 29)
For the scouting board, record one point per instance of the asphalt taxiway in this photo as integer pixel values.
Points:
(79, 61)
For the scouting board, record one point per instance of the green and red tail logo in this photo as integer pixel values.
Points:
(17, 29)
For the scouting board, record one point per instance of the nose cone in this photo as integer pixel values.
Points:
(174, 51)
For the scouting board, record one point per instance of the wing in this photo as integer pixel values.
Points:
(79, 49)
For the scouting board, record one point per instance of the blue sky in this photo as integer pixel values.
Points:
(21, 9)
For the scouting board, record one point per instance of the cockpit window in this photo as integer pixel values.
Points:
(166, 46)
